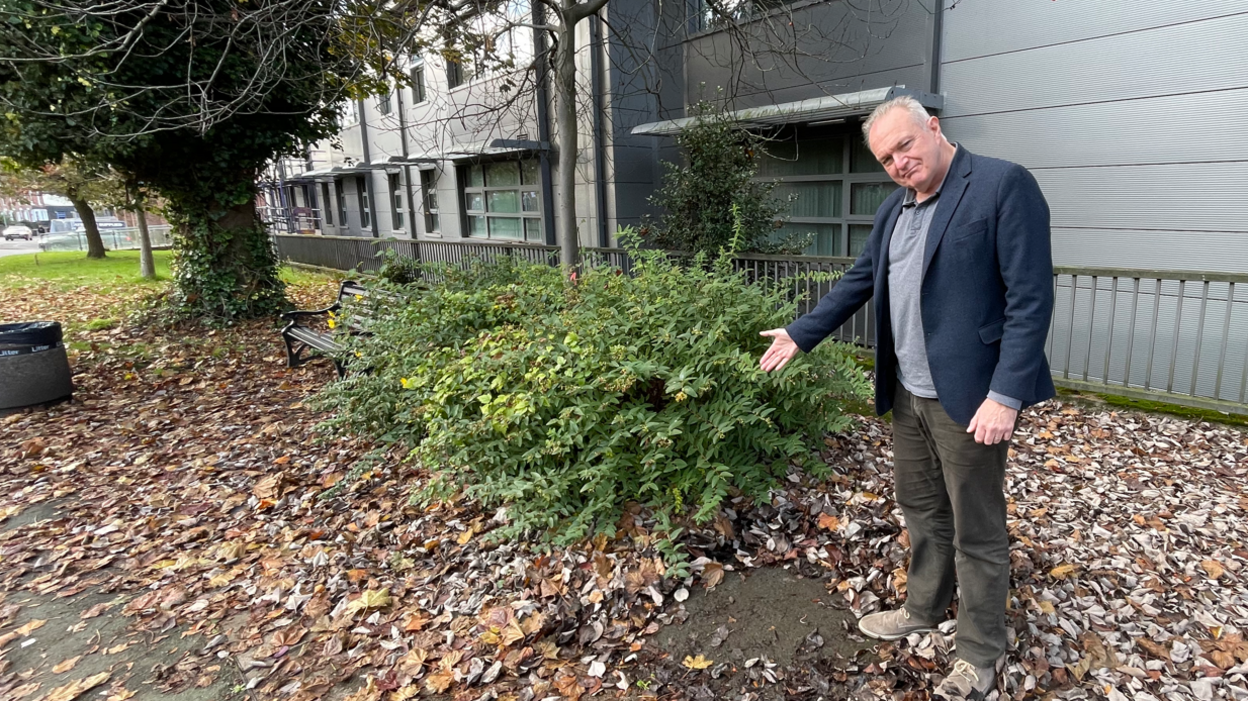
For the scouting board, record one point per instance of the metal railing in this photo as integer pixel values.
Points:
(1147, 332)
(1175, 336)
(291, 220)
(114, 239)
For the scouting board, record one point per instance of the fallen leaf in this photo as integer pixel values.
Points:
(1062, 571)
(74, 689)
(698, 662)
(30, 628)
(66, 665)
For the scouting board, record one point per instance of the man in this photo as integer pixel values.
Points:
(960, 268)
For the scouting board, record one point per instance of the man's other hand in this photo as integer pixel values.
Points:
(781, 351)
(993, 423)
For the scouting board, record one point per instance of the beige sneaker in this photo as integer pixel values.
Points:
(891, 625)
(967, 681)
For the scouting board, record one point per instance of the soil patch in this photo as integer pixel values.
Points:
(769, 614)
(83, 637)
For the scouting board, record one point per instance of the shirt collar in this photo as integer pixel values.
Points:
(910, 201)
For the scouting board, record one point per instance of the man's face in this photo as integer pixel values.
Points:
(909, 151)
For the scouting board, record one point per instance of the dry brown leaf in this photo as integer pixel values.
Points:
(66, 665)
(1214, 568)
(24, 690)
(74, 689)
(439, 681)
(712, 575)
(828, 522)
(1062, 571)
(30, 627)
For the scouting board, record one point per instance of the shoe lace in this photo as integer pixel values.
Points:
(966, 669)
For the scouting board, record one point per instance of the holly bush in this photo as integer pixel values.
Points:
(566, 400)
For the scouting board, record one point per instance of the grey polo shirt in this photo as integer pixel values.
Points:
(905, 284)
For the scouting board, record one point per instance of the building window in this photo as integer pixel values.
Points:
(350, 113)
(833, 186)
(418, 84)
(396, 200)
(342, 203)
(325, 206)
(455, 74)
(503, 201)
(366, 215)
(709, 16)
(383, 103)
(429, 197)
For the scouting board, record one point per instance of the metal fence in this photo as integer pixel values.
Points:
(1176, 336)
(114, 239)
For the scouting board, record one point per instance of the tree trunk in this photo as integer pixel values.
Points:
(147, 266)
(95, 244)
(224, 263)
(565, 123)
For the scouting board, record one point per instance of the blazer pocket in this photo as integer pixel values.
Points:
(975, 228)
(991, 333)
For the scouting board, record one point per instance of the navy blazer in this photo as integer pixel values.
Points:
(987, 294)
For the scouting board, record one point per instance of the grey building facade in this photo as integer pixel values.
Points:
(1129, 115)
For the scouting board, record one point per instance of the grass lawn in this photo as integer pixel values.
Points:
(71, 269)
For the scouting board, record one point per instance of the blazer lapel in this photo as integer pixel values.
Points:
(950, 195)
(881, 268)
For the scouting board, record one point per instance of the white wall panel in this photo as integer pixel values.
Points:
(1183, 58)
(1174, 129)
(980, 27)
(1189, 196)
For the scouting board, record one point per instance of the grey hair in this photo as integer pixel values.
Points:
(905, 102)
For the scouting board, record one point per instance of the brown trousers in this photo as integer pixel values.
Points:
(950, 490)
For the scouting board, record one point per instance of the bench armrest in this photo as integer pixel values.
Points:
(296, 313)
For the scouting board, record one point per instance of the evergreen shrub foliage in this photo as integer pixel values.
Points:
(699, 196)
(566, 401)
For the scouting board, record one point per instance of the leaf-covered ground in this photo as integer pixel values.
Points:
(180, 492)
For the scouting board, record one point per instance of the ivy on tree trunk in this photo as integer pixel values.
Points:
(224, 264)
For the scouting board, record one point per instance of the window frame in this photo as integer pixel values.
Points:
(847, 220)
(465, 190)
(429, 201)
(456, 74)
(341, 198)
(395, 183)
(327, 205)
(362, 194)
(417, 74)
(385, 102)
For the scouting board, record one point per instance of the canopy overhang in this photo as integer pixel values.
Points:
(829, 108)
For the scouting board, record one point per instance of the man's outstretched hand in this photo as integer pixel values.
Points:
(781, 351)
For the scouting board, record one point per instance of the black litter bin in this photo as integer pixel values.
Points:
(34, 369)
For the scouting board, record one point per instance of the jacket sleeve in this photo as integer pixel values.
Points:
(1025, 259)
(846, 296)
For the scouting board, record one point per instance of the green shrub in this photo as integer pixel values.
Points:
(565, 401)
(698, 197)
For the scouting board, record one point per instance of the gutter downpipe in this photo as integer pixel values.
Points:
(938, 31)
(600, 146)
(368, 176)
(543, 123)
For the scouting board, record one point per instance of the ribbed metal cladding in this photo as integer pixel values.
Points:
(1183, 58)
(1172, 129)
(1195, 196)
(983, 27)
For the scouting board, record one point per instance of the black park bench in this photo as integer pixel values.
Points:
(304, 341)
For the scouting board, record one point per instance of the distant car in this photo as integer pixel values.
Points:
(18, 231)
